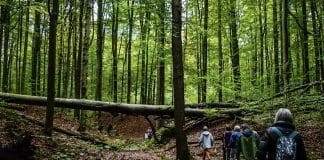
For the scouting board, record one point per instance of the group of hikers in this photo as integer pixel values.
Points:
(280, 142)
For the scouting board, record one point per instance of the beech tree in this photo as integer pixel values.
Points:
(54, 12)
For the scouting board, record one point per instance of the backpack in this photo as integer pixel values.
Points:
(286, 145)
(248, 147)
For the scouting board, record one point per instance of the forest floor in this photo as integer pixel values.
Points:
(129, 142)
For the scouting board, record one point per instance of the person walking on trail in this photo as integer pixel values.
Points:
(234, 143)
(226, 138)
(149, 133)
(255, 133)
(206, 141)
(248, 143)
(281, 141)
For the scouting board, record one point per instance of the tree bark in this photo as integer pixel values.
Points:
(204, 53)
(235, 57)
(285, 43)
(37, 42)
(261, 53)
(316, 42)
(114, 48)
(160, 87)
(1, 37)
(131, 109)
(178, 83)
(304, 39)
(53, 12)
(6, 21)
(129, 49)
(276, 49)
(266, 48)
(67, 70)
(144, 19)
(84, 68)
(220, 52)
(78, 66)
(23, 74)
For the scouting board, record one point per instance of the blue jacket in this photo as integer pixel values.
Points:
(206, 140)
(234, 140)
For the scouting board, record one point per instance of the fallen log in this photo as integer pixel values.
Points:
(213, 105)
(130, 109)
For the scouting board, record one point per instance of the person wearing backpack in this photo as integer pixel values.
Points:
(206, 141)
(281, 141)
(248, 143)
(234, 143)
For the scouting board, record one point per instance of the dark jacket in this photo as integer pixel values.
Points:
(268, 142)
(226, 138)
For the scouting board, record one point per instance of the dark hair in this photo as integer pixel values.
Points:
(245, 126)
(284, 114)
(228, 127)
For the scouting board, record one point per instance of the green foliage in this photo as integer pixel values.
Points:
(39, 7)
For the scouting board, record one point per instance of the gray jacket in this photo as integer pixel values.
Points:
(206, 139)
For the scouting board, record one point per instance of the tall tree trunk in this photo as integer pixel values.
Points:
(67, 70)
(304, 39)
(148, 29)
(261, 54)
(285, 42)
(144, 34)
(19, 47)
(100, 48)
(129, 48)
(37, 42)
(178, 83)
(198, 52)
(84, 68)
(51, 67)
(204, 53)
(160, 87)
(100, 42)
(316, 44)
(74, 52)
(1, 37)
(220, 52)
(23, 72)
(78, 65)
(114, 48)
(266, 49)
(235, 49)
(6, 21)
(276, 48)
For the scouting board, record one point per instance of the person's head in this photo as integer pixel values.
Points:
(228, 127)
(284, 114)
(205, 128)
(245, 126)
(237, 128)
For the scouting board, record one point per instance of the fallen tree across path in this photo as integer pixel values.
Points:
(130, 109)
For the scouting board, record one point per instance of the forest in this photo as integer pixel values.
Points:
(84, 79)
